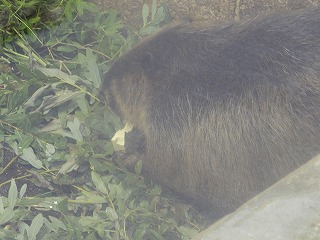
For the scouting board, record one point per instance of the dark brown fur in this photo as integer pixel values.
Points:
(227, 110)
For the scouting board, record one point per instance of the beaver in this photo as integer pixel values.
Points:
(225, 110)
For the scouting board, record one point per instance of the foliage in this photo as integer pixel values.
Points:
(26, 16)
(52, 119)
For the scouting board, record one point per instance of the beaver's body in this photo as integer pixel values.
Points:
(225, 111)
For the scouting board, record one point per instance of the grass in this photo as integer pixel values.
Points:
(59, 175)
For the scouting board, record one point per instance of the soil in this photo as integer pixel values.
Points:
(201, 10)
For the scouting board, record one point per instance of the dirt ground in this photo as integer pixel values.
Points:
(200, 10)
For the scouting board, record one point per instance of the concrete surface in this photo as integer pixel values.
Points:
(289, 210)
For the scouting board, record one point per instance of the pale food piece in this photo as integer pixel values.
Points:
(118, 139)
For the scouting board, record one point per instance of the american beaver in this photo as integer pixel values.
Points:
(225, 110)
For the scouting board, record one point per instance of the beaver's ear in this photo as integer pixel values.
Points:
(149, 64)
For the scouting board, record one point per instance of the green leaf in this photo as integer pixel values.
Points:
(29, 156)
(156, 235)
(112, 214)
(98, 182)
(26, 71)
(50, 148)
(80, 6)
(69, 165)
(15, 118)
(66, 49)
(49, 225)
(23, 228)
(57, 223)
(35, 227)
(141, 231)
(153, 9)
(88, 221)
(16, 98)
(108, 148)
(1, 138)
(6, 216)
(160, 15)
(82, 59)
(83, 103)
(52, 126)
(148, 30)
(27, 202)
(145, 13)
(40, 92)
(54, 72)
(63, 206)
(187, 231)
(75, 129)
(96, 199)
(13, 194)
(63, 119)
(94, 74)
(23, 190)
(68, 10)
(60, 98)
(33, 20)
(25, 142)
(1, 205)
(91, 197)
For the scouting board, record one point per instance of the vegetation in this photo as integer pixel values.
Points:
(59, 176)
